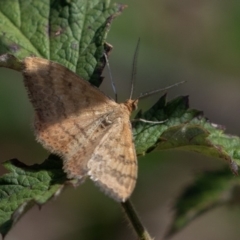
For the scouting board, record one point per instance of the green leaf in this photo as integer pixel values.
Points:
(173, 113)
(25, 185)
(184, 129)
(209, 190)
(71, 33)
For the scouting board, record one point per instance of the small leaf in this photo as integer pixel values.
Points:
(209, 190)
(173, 113)
(25, 185)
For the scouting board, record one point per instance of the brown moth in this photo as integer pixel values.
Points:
(76, 121)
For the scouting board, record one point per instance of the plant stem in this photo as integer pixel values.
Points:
(135, 221)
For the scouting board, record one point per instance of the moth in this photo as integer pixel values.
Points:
(89, 131)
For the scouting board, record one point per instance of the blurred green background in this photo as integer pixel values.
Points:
(197, 41)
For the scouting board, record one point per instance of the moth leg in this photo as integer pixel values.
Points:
(147, 121)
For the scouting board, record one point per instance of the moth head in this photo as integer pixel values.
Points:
(131, 104)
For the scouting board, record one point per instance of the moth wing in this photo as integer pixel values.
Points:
(68, 110)
(113, 165)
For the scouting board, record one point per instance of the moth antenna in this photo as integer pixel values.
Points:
(146, 94)
(134, 68)
(111, 78)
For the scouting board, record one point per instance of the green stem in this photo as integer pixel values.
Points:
(135, 221)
